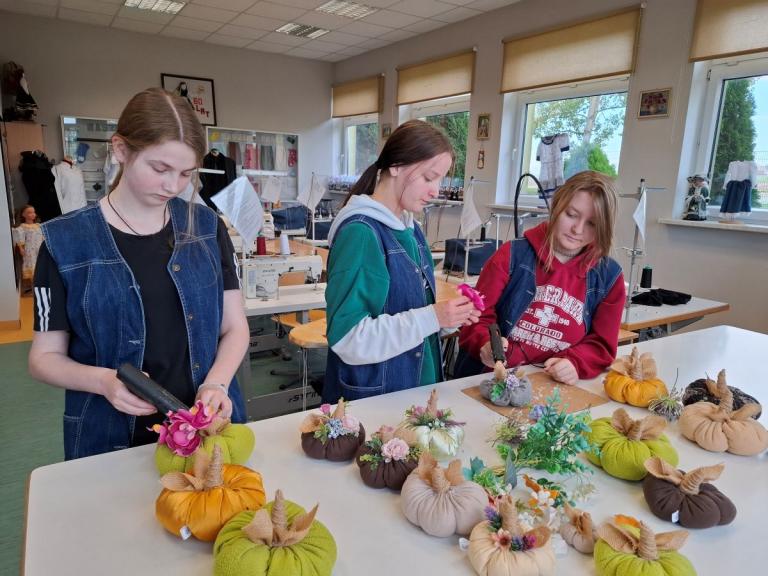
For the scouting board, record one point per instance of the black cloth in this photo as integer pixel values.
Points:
(659, 296)
(455, 249)
(39, 182)
(166, 352)
(214, 183)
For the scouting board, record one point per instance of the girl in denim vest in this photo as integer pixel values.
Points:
(556, 294)
(383, 321)
(140, 277)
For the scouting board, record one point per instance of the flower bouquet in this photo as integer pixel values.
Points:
(433, 429)
(334, 436)
(386, 460)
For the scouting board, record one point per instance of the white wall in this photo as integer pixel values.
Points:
(720, 265)
(86, 70)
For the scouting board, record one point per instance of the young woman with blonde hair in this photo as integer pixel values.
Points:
(556, 294)
(141, 277)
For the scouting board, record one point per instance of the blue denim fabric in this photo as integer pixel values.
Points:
(106, 314)
(521, 288)
(406, 291)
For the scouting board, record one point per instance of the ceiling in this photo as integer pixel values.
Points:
(250, 24)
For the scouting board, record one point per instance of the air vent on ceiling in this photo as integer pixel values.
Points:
(347, 9)
(302, 30)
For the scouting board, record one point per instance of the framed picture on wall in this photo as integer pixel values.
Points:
(198, 91)
(655, 103)
(483, 126)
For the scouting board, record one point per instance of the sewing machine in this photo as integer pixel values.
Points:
(261, 274)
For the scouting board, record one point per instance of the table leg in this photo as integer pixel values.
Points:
(304, 379)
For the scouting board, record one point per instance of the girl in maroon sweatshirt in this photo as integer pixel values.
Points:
(556, 294)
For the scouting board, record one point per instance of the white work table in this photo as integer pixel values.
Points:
(96, 516)
(299, 298)
(672, 317)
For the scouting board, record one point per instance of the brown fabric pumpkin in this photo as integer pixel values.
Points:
(340, 449)
(579, 532)
(385, 474)
(719, 428)
(697, 504)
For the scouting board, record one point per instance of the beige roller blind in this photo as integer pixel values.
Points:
(357, 97)
(595, 49)
(728, 28)
(436, 79)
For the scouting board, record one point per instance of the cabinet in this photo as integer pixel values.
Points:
(259, 155)
(20, 137)
(88, 142)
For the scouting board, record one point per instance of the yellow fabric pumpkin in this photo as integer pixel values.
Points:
(720, 428)
(579, 531)
(490, 550)
(200, 504)
(633, 380)
(627, 547)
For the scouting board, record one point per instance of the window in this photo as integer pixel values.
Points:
(452, 116)
(593, 125)
(360, 143)
(736, 128)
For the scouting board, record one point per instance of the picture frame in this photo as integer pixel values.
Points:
(483, 126)
(386, 131)
(655, 103)
(198, 91)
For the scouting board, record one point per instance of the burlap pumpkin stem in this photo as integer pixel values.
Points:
(647, 545)
(273, 529)
(648, 428)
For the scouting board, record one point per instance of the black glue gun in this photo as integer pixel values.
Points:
(148, 390)
(497, 348)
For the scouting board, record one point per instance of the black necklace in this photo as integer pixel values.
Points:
(132, 229)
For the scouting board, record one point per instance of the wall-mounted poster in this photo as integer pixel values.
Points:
(198, 91)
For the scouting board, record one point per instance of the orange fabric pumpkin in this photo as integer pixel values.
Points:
(202, 503)
(632, 380)
(719, 428)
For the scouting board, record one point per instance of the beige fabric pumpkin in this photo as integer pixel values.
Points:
(579, 532)
(440, 501)
(491, 555)
(719, 428)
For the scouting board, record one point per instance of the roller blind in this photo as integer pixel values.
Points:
(436, 79)
(729, 27)
(595, 49)
(357, 97)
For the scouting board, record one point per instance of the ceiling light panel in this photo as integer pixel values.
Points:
(351, 10)
(164, 6)
(302, 30)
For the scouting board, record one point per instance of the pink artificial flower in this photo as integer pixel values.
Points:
(478, 300)
(502, 538)
(396, 449)
(418, 410)
(325, 409)
(181, 431)
(349, 422)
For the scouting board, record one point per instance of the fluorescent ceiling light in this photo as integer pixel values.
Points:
(302, 30)
(164, 6)
(347, 9)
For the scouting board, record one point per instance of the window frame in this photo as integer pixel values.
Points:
(717, 72)
(346, 123)
(517, 103)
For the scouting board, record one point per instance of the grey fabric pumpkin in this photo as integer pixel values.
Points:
(516, 392)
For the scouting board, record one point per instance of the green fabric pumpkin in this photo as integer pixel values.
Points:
(630, 548)
(625, 444)
(236, 441)
(280, 539)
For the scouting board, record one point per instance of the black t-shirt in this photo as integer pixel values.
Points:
(166, 359)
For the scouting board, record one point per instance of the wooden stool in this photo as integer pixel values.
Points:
(306, 336)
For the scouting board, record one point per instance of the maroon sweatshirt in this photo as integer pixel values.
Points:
(553, 325)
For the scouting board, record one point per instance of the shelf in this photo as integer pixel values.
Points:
(716, 225)
(252, 172)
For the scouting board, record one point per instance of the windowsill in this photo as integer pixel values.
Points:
(520, 208)
(715, 225)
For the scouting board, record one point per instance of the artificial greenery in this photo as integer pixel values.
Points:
(486, 477)
(375, 456)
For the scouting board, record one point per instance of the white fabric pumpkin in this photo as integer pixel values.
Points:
(443, 441)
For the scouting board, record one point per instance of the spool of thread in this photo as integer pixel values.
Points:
(285, 248)
(646, 278)
(261, 246)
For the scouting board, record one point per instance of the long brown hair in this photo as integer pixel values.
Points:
(603, 192)
(412, 142)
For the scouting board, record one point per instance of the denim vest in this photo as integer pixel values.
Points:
(406, 291)
(106, 314)
(521, 289)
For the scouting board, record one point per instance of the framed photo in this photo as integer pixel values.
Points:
(483, 126)
(655, 103)
(199, 92)
(386, 131)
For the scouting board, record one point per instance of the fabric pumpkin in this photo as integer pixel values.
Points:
(202, 503)
(236, 442)
(720, 428)
(497, 552)
(379, 468)
(705, 390)
(625, 444)
(318, 441)
(686, 498)
(507, 387)
(280, 539)
(432, 429)
(632, 380)
(579, 531)
(440, 501)
(629, 548)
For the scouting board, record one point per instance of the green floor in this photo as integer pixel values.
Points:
(30, 429)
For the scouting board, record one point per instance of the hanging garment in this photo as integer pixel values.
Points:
(281, 154)
(70, 186)
(39, 181)
(213, 183)
(550, 154)
(267, 157)
(251, 161)
(293, 157)
(234, 152)
(739, 180)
